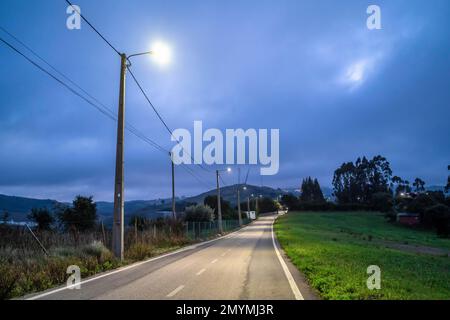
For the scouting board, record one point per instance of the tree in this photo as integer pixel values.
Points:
(266, 205)
(199, 213)
(402, 186)
(357, 182)
(439, 215)
(42, 217)
(82, 216)
(289, 200)
(447, 187)
(419, 185)
(5, 217)
(228, 213)
(140, 222)
(382, 201)
(310, 191)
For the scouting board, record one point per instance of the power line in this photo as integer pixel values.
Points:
(104, 110)
(221, 179)
(161, 119)
(130, 127)
(134, 78)
(93, 28)
(192, 173)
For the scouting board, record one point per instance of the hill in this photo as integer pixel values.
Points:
(19, 207)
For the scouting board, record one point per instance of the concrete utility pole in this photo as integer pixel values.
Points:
(117, 231)
(238, 197)
(174, 213)
(219, 208)
(248, 205)
(239, 206)
(256, 205)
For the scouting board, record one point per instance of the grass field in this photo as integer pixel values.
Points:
(333, 250)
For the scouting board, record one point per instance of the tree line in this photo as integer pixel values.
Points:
(369, 184)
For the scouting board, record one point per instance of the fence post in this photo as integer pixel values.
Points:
(104, 235)
(135, 231)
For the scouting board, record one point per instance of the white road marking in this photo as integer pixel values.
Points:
(231, 235)
(298, 295)
(223, 254)
(200, 272)
(215, 260)
(174, 292)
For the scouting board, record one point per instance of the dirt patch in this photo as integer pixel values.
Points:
(415, 248)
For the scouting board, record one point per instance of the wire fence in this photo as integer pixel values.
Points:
(202, 230)
(22, 240)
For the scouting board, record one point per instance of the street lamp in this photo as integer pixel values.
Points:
(219, 206)
(239, 198)
(162, 55)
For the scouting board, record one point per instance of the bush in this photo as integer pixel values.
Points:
(290, 201)
(382, 201)
(266, 205)
(199, 213)
(42, 217)
(315, 206)
(82, 216)
(439, 216)
(98, 250)
(420, 203)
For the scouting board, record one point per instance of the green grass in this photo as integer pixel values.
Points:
(333, 250)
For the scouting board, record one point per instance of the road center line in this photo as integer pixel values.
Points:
(215, 260)
(174, 292)
(294, 288)
(200, 272)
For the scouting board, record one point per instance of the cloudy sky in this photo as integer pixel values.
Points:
(335, 89)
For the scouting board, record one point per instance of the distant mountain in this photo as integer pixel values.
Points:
(19, 207)
(229, 193)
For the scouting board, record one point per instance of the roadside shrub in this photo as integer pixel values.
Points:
(315, 206)
(391, 216)
(267, 205)
(199, 212)
(139, 251)
(98, 250)
(42, 217)
(290, 201)
(382, 201)
(8, 279)
(419, 204)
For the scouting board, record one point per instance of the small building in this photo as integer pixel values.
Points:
(409, 219)
(250, 214)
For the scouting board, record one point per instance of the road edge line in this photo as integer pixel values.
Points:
(295, 290)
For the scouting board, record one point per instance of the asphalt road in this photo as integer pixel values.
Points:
(242, 265)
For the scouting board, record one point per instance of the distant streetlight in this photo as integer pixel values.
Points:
(239, 197)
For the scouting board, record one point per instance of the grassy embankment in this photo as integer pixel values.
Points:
(333, 250)
(24, 268)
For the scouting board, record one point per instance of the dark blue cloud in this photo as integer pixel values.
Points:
(311, 68)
